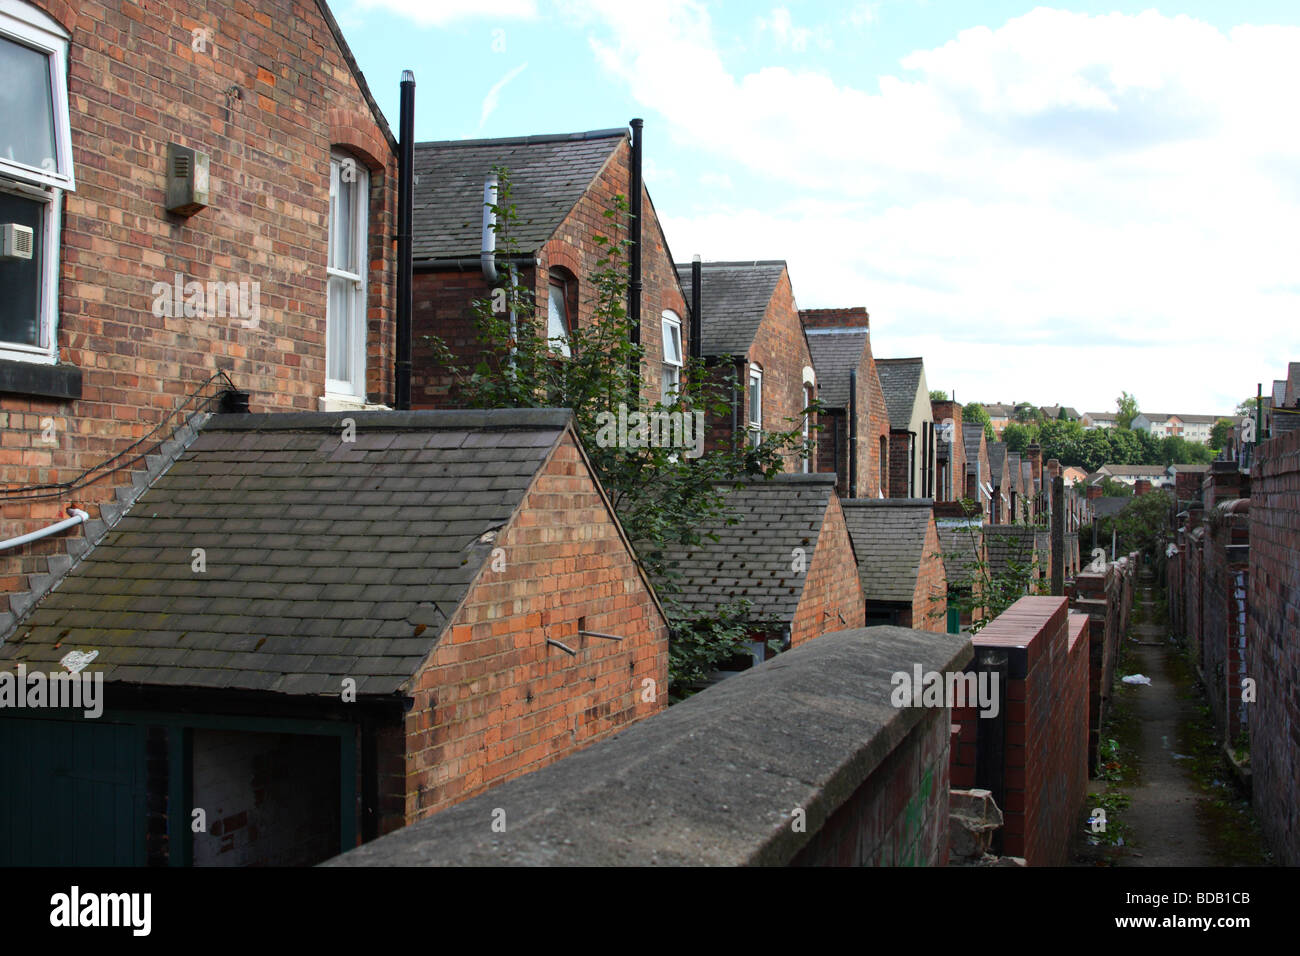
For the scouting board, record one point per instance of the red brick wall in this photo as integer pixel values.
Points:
(873, 472)
(780, 349)
(1273, 653)
(832, 596)
(873, 425)
(135, 85)
(953, 487)
(930, 597)
(494, 700)
(1044, 711)
(900, 465)
(441, 299)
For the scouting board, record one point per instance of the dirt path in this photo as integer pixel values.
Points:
(1182, 810)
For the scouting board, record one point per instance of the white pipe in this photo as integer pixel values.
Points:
(78, 516)
(488, 255)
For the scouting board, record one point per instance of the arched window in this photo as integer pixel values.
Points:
(561, 310)
(882, 480)
(807, 430)
(348, 256)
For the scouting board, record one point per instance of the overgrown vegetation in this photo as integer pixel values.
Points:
(663, 494)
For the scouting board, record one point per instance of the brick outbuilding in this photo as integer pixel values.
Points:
(789, 555)
(318, 635)
(900, 561)
(839, 341)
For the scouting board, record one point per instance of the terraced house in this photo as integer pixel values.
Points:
(749, 324)
(561, 188)
(208, 195)
(854, 439)
(912, 436)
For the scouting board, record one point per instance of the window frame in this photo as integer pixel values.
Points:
(30, 27)
(807, 429)
(355, 389)
(557, 279)
(755, 424)
(25, 25)
(669, 320)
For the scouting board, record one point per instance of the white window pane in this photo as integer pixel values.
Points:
(339, 331)
(557, 324)
(756, 400)
(26, 106)
(21, 279)
(670, 380)
(344, 226)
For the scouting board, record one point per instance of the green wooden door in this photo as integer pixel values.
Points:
(72, 793)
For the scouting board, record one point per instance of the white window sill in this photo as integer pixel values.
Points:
(349, 403)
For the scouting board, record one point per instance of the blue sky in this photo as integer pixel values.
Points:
(1048, 203)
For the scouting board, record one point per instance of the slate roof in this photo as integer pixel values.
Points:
(1015, 471)
(1195, 468)
(733, 301)
(1154, 417)
(753, 558)
(1279, 392)
(325, 559)
(900, 378)
(1139, 471)
(1007, 544)
(970, 436)
(889, 540)
(1105, 507)
(960, 542)
(997, 461)
(835, 353)
(1053, 412)
(548, 175)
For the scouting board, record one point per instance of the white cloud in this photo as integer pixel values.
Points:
(1116, 188)
(784, 32)
(494, 94)
(442, 12)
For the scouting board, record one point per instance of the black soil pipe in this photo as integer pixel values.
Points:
(697, 283)
(405, 205)
(853, 433)
(634, 233)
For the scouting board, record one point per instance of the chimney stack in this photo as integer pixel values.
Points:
(1141, 486)
(1035, 455)
(855, 317)
(1094, 492)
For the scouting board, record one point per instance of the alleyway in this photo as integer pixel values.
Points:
(1169, 800)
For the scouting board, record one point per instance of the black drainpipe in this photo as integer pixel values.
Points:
(634, 267)
(697, 283)
(853, 433)
(405, 205)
